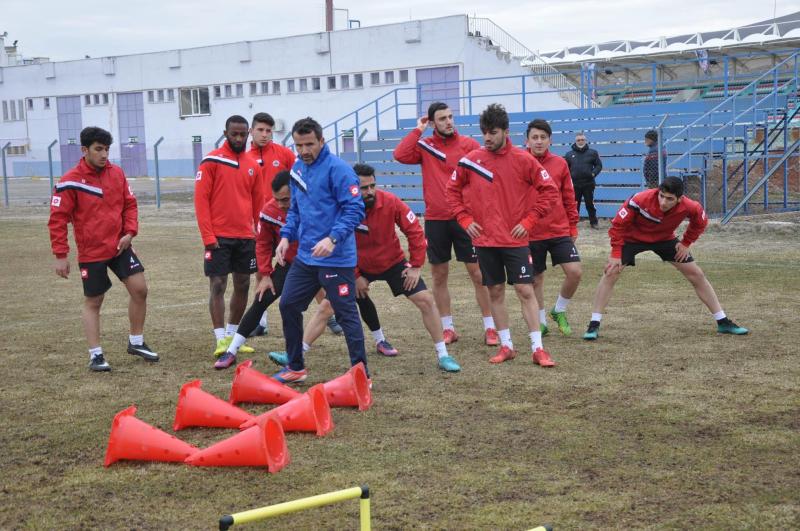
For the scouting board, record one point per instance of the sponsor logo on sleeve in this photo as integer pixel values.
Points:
(56, 201)
(276, 163)
(410, 216)
(250, 172)
(623, 213)
(344, 290)
(354, 190)
(198, 175)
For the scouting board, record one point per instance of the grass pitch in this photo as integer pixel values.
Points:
(661, 423)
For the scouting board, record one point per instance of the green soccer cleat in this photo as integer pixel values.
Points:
(279, 358)
(543, 329)
(726, 326)
(561, 319)
(448, 364)
(592, 332)
(222, 346)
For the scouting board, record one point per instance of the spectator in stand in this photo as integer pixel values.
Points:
(584, 166)
(650, 166)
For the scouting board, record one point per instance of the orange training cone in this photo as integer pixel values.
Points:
(199, 408)
(310, 412)
(262, 445)
(249, 385)
(135, 440)
(350, 389)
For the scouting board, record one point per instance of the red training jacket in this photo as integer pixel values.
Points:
(101, 207)
(501, 183)
(376, 238)
(563, 218)
(228, 191)
(640, 220)
(439, 157)
(272, 159)
(270, 222)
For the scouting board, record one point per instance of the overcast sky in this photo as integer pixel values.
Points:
(64, 30)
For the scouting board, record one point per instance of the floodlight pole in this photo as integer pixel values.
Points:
(50, 162)
(158, 173)
(5, 174)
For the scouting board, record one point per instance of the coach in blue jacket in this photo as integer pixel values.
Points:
(325, 210)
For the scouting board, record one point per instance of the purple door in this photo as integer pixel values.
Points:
(69, 131)
(132, 147)
(438, 84)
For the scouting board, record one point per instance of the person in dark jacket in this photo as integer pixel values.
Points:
(584, 165)
(650, 166)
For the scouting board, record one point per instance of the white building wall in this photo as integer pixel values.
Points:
(395, 47)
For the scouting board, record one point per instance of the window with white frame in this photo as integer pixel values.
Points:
(331, 82)
(16, 151)
(344, 81)
(105, 98)
(87, 99)
(276, 87)
(388, 77)
(47, 103)
(228, 91)
(170, 95)
(375, 78)
(358, 80)
(303, 85)
(290, 85)
(315, 83)
(194, 101)
(253, 89)
(30, 104)
(160, 95)
(403, 76)
(265, 87)
(217, 91)
(239, 90)
(5, 111)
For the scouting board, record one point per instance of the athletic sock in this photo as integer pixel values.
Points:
(488, 322)
(536, 340)
(306, 347)
(441, 349)
(597, 317)
(447, 322)
(720, 315)
(505, 338)
(263, 321)
(377, 335)
(237, 341)
(543, 317)
(96, 351)
(136, 341)
(561, 304)
(219, 333)
(231, 329)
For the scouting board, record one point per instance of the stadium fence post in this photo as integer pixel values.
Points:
(50, 162)
(158, 172)
(524, 107)
(5, 174)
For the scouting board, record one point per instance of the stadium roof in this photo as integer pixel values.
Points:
(760, 36)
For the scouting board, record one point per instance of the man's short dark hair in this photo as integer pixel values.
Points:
(236, 119)
(364, 170)
(307, 125)
(672, 185)
(541, 125)
(90, 135)
(280, 180)
(264, 118)
(494, 117)
(652, 134)
(436, 106)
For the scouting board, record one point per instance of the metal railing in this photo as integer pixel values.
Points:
(484, 27)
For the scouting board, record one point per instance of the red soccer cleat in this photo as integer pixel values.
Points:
(542, 358)
(491, 338)
(504, 354)
(449, 336)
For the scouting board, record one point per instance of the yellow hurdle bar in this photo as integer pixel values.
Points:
(329, 498)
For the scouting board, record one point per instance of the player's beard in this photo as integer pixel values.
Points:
(369, 202)
(237, 148)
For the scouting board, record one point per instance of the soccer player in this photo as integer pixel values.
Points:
(438, 155)
(490, 196)
(228, 195)
(647, 222)
(325, 210)
(270, 285)
(96, 198)
(271, 158)
(557, 232)
(380, 257)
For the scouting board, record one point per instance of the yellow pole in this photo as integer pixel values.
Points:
(365, 514)
(299, 505)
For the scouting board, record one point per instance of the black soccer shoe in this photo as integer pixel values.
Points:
(143, 351)
(99, 364)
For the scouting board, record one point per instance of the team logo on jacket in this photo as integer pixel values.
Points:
(623, 213)
(250, 172)
(453, 177)
(208, 255)
(545, 175)
(354, 190)
(276, 163)
(84, 273)
(56, 201)
(344, 290)
(410, 216)
(198, 175)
